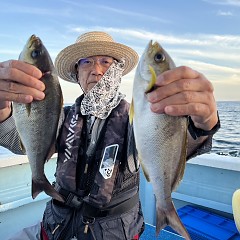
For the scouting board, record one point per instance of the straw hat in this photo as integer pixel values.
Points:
(93, 44)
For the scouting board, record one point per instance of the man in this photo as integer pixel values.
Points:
(99, 175)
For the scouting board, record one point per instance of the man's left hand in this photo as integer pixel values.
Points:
(183, 91)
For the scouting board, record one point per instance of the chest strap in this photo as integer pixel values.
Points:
(93, 212)
(72, 200)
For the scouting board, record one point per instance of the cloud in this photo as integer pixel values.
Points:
(223, 13)
(213, 67)
(206, 54)
(231, 41)
(139, 34)
(235, 3)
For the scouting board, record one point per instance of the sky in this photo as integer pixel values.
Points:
(201, 34)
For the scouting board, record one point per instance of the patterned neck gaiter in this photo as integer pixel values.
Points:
(105, 95)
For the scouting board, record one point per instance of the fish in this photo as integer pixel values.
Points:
(161, 139)
(38, 122)
(236, 208)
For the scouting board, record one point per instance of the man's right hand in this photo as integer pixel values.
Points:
(19, 82)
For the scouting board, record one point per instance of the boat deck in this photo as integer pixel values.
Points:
(209, 182)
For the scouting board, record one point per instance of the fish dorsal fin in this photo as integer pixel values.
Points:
(131, 112)
(52, 150)
(152, 81)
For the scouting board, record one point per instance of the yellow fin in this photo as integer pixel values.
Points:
(131, 112)
(236, 208)
(152, 81)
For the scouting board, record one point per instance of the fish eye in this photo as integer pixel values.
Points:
(36, 53)
(159, 57)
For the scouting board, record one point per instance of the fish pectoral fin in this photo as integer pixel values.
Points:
(60, 121)
(145, 172)
(181, 165)
(236, 208)
(152, 81)
(28, 108)
(131, 113)
(51, 152)
(22, 146)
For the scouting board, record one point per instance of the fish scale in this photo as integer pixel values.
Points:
(161, 139)
(37, 122)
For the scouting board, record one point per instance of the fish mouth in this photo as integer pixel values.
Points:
(34, 40)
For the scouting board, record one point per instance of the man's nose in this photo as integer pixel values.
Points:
(97, 69)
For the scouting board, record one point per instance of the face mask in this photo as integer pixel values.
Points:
(105, 95)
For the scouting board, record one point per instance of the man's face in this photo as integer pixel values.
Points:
(90, 70)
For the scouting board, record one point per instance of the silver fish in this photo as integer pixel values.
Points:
(37, 122)
(161, 140)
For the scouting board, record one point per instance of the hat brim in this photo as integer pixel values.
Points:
(67, 58)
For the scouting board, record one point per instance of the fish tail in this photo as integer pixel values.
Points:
(170, 217)
(43, 185)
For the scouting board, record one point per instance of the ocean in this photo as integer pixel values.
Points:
(225, 142)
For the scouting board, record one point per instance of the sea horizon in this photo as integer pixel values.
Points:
(225, 142)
